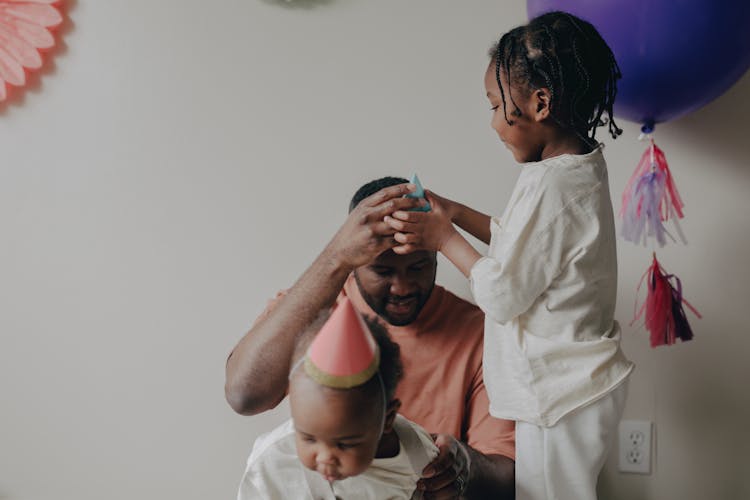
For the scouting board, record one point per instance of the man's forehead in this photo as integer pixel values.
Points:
(390, 258)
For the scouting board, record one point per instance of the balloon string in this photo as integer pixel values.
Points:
(651, 149)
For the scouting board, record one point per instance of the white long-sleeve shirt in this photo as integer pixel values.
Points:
(548, 289)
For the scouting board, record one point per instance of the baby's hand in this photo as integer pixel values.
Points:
(422, 230)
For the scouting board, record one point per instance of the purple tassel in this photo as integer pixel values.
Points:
(682, 328)
(650, 199)
(642, 217)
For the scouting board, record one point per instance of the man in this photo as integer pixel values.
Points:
(439, 334)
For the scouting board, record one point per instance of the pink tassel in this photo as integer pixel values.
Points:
(665, 317)
(650, 198)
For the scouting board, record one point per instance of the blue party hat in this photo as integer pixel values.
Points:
(418, 193)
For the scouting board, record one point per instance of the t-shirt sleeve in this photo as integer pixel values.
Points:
(249, 488)
(530, 255)
(506, 285)
(426, 440)
(484, 432)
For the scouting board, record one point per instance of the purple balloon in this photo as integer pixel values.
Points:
(675, 55)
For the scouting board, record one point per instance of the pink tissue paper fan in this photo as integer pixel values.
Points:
(24, 34)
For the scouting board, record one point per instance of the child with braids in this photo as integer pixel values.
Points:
(552, 358)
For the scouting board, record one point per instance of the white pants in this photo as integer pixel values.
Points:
(563, 462)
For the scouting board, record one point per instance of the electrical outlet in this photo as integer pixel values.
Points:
(635, 446)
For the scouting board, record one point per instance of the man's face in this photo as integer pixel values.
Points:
(395, 286)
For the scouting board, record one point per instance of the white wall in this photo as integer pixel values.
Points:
(181, 160)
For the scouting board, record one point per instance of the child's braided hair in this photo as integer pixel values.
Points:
(569, 57)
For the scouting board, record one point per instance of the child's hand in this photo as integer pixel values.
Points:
(450, 207)
(422, 230)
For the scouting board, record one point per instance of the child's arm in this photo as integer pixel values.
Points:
(472, 221)
(503, 289)
(459, 251)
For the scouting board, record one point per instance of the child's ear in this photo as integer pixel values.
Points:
(390, 415)
(540, 99)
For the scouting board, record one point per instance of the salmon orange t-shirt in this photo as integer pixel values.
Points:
(442, 389)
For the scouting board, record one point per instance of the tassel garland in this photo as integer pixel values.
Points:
(649, 199)
(665, 317)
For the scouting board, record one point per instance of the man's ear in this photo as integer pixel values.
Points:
(540, 100)
(390, 415)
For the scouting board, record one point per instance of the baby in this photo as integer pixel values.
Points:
(345, 438)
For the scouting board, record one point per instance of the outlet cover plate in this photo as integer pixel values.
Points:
(634, 452)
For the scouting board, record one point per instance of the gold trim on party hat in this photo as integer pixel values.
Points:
(344, 353)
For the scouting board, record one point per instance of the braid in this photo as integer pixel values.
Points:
(498, 63)
(510, 45)
(567, 56)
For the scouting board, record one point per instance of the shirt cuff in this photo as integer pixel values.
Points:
(481, 269)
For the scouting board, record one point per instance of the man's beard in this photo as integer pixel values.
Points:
(396, 310)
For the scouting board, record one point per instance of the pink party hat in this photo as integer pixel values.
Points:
(344, 353)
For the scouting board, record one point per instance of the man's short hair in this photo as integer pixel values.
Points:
(373, 187)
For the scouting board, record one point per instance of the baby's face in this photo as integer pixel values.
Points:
(337, 431)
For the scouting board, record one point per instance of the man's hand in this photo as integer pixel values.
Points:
(446, 476)
(257, 372)
(365, 234)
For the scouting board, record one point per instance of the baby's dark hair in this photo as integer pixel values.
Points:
(568, 56)
(373, 187)
(391, 369)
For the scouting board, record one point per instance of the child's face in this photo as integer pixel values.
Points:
(522, 137)
(337, 431)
